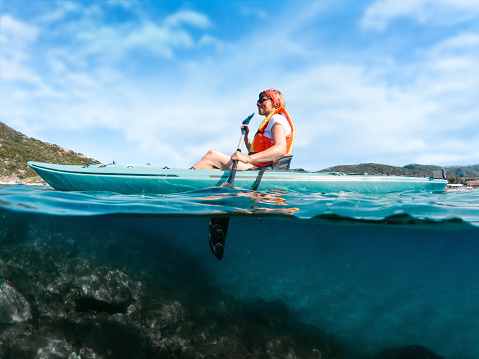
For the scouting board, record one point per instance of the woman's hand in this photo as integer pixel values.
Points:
(246, 129)
(238, 156)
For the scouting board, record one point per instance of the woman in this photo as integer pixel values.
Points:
(274, 138)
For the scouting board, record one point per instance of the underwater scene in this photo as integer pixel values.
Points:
(104, 275)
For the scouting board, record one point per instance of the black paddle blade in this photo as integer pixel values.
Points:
(217, 235)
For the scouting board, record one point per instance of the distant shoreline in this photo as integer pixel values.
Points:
(10, 182)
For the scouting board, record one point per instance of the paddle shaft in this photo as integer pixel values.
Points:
(231, 178)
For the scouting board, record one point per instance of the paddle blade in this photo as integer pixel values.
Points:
(217, 235)
(248, 119)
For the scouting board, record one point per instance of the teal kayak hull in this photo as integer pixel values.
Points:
(155, 180)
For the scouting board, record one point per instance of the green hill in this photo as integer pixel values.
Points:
(471, 171)
(379, 169)
(16, 149)
(455, 174)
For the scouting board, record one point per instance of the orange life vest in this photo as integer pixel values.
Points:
(261, 142)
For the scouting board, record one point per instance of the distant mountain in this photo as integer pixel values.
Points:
(16, 149)
(471, 171)
(459, 173)
(379, 169)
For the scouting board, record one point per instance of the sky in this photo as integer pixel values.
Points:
(161, 82)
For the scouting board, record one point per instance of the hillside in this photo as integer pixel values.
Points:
(455, 174)
(471, 171)
(16, 149)
(379, 169)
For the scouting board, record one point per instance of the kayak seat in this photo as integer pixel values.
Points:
(282, 163)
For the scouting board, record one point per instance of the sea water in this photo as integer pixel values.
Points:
(370, 271)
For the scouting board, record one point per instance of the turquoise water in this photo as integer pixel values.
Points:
(371, 271)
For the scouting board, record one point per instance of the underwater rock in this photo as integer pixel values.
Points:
(225, 347)
(22, 341)
(283, 346)
(256, 336)
(175, 345)
(408, 352)
(12, 339)
(14, 308)
(118, 338)
(55, 349)
(164, 313)
(105, 291)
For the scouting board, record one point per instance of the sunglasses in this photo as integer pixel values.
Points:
(263, 99)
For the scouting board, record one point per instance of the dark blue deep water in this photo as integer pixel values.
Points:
(360, 272)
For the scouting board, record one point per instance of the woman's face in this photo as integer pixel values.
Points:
(265, 105)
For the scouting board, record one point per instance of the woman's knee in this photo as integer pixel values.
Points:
(212, 154)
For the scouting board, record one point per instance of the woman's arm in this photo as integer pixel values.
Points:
(247, 142)
(270, 154)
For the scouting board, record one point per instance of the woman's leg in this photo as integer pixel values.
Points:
(217, 159)
(213, 159)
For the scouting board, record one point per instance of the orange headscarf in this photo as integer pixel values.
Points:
(274, 97)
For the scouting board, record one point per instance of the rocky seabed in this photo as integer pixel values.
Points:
(100, 296)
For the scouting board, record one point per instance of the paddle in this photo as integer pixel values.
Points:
(219, 225)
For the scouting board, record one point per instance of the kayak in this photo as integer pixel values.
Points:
(155, 180)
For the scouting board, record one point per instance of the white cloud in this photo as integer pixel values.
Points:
(253, 11)
(462, 43)
(446, 12)
(161, 40)
(207, 40)
(126, 4)
(450, 76)
(60, 11)
(15, 39)
(110, 43)
(188, 17)
(15, 34)
(13, 69)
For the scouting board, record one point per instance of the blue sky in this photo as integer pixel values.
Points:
(161, 82)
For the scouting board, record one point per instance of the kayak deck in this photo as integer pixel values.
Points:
(148, 179)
